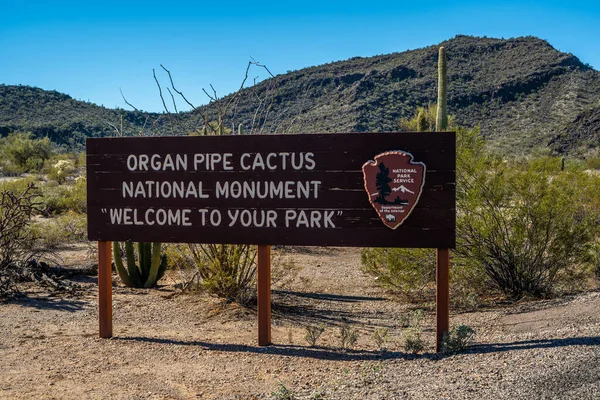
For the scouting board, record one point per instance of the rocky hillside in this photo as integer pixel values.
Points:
(60, 117)
(522, 92)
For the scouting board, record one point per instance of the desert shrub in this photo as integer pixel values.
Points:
(63, 230)
(380, 337)
(424, 120)
(17, 186)
(407, 272)
(312, 333)
(16, 211)
(458, 339)
(468, 284)
(282, 393)
(412, 318)
(594, 258)
(20, 153)
(523, 226)
(59, 199)
(225, 270)
(61, 170)
(413, 340)
(593, 163)
(348, 336)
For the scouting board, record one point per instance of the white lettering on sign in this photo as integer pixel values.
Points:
(312, 219)
(133, 216)
(245, 218)
(155, 162)
(268, 189)
(164, 190)
(273, 161)
(213, 162)
(138, 188)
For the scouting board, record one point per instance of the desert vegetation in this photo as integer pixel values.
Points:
(528, 225)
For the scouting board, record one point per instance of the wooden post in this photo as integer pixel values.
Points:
(105, 289)
(442, 306)
(264, 295)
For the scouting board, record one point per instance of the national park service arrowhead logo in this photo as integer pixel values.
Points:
(393, 183)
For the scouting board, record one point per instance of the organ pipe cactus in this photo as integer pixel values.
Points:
(441, 121)
(152, 265)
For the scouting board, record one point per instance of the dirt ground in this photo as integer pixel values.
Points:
(168, 345)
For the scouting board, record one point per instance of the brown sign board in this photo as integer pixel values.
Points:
(301, 189)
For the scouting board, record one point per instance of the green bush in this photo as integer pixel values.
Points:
(593, 163)
(424, 120)
(282, 393)
(59, 199)
(413, 341)
(225, 270)
(523, 224)
(522, 228)
(312, 333)
(61, 170)
(54, 233)
(380, 337)
(348, 336)
(20, 153)
(458, 339)
(17, 186)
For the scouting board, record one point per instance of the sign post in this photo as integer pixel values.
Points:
(442, 296)
(264, 294)
(104, 289)
(354, 189)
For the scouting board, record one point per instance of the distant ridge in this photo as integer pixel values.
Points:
(523, 93)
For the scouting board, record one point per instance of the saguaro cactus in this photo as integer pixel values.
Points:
(441, 121)
(152, 265)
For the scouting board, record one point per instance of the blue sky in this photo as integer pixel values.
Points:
(90, 50)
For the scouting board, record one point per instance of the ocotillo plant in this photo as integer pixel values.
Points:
(152, 265)
(441, 122)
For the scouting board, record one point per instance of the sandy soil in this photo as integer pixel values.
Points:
(187, 346)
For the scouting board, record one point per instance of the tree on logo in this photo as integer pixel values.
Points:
(382, 181)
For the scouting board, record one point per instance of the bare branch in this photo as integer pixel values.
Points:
(163, 101)
(160, 92)
(208, 95)
(177, 91)
(115, 128)
(173, 98)
(126, 102)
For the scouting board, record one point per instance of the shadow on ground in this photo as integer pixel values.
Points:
(534, 344)
(51, 303)
(324, 353)
(317, 352)
(331, 309)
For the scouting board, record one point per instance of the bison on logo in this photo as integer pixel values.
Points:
(394, 183)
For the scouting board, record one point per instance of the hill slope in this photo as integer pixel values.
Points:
(522, 92)
(60, 117)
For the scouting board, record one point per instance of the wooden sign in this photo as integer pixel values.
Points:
(311, 189)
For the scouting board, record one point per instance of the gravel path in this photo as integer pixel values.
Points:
(194, 346)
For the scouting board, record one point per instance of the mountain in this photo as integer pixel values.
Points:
(60, 117)
(523, 93)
